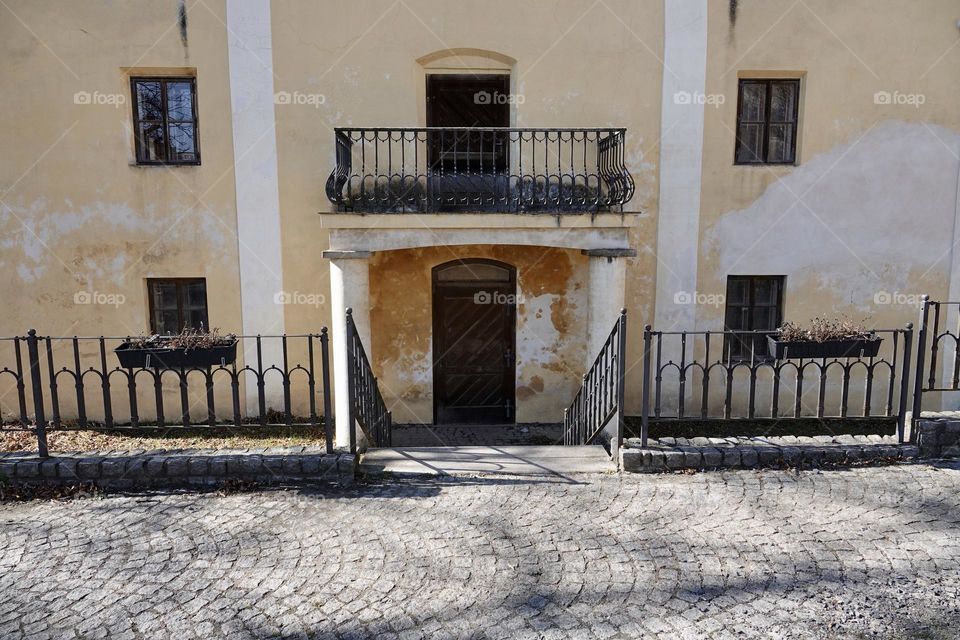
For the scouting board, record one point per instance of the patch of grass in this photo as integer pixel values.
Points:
(693, 428)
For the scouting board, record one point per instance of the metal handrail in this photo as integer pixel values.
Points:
(505, 169)
(367, 407)
(600, 399)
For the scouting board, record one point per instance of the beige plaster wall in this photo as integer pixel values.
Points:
(81, 225)
(78, 215)
(867, 215)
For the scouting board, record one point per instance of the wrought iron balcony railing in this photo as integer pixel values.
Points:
(436, 169)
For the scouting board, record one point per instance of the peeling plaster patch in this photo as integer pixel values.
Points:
(101, 239)
(537, 337)
(859, 224)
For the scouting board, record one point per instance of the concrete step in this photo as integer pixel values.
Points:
(471, 460)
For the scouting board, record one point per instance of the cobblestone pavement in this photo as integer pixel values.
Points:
(868, 552)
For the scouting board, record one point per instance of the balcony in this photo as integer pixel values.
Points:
(480, 169)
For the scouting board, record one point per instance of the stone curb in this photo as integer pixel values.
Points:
(674, 454)
(179, 468)
(939, 438)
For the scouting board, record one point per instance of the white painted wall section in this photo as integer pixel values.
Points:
(250, 54)
(681, 155)
(606, 291)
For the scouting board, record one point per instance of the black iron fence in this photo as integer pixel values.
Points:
(479, 169)
(694, 375)
(78, 382)
(938, 351)
(598, 406)
(367, 407)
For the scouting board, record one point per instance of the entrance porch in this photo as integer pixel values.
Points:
(473, 320)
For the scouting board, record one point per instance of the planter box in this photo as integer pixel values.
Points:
(165, 358)
(867, 348)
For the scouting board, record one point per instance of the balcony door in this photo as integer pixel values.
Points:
(468, 168)
(474, 331)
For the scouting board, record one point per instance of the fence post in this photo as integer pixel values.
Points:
(645, 395)
(621, 383)
(325, 373)
(918, 380)
(37, 390)
(905, 384)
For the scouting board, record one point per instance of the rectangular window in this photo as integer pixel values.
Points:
(767, 121)
(165, 120)
(177, 303)
(754, 303)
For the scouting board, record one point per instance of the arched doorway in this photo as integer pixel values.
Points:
(474, 342)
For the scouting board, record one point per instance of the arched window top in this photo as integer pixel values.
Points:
(473, 271)
(467, 59)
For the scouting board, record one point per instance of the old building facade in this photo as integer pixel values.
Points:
(484, 184)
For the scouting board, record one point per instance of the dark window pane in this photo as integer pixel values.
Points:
(766, 290)
(196, 293)
(735, 318)
(781, 143)
(152, 147)
(168, 322)
(738, 290)
(763, 318)
(196, 318)
(149, 101)
(753, 97)
(180, 101)
(782, 100)
(181, 143)
(751, 143)
(165, 295)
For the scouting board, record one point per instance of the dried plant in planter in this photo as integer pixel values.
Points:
(199, 339)
(823, 330)
(824, 338)
(186, 340)
(189, 348)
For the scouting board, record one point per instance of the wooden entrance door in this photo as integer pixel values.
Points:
(474, 335)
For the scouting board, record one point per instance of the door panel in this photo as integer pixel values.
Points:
(473, 327)
(468, 167)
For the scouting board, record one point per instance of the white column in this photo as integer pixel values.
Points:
(250, 55)
(606, 292)
(349, 289)
(681, 157)
(951, 401)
